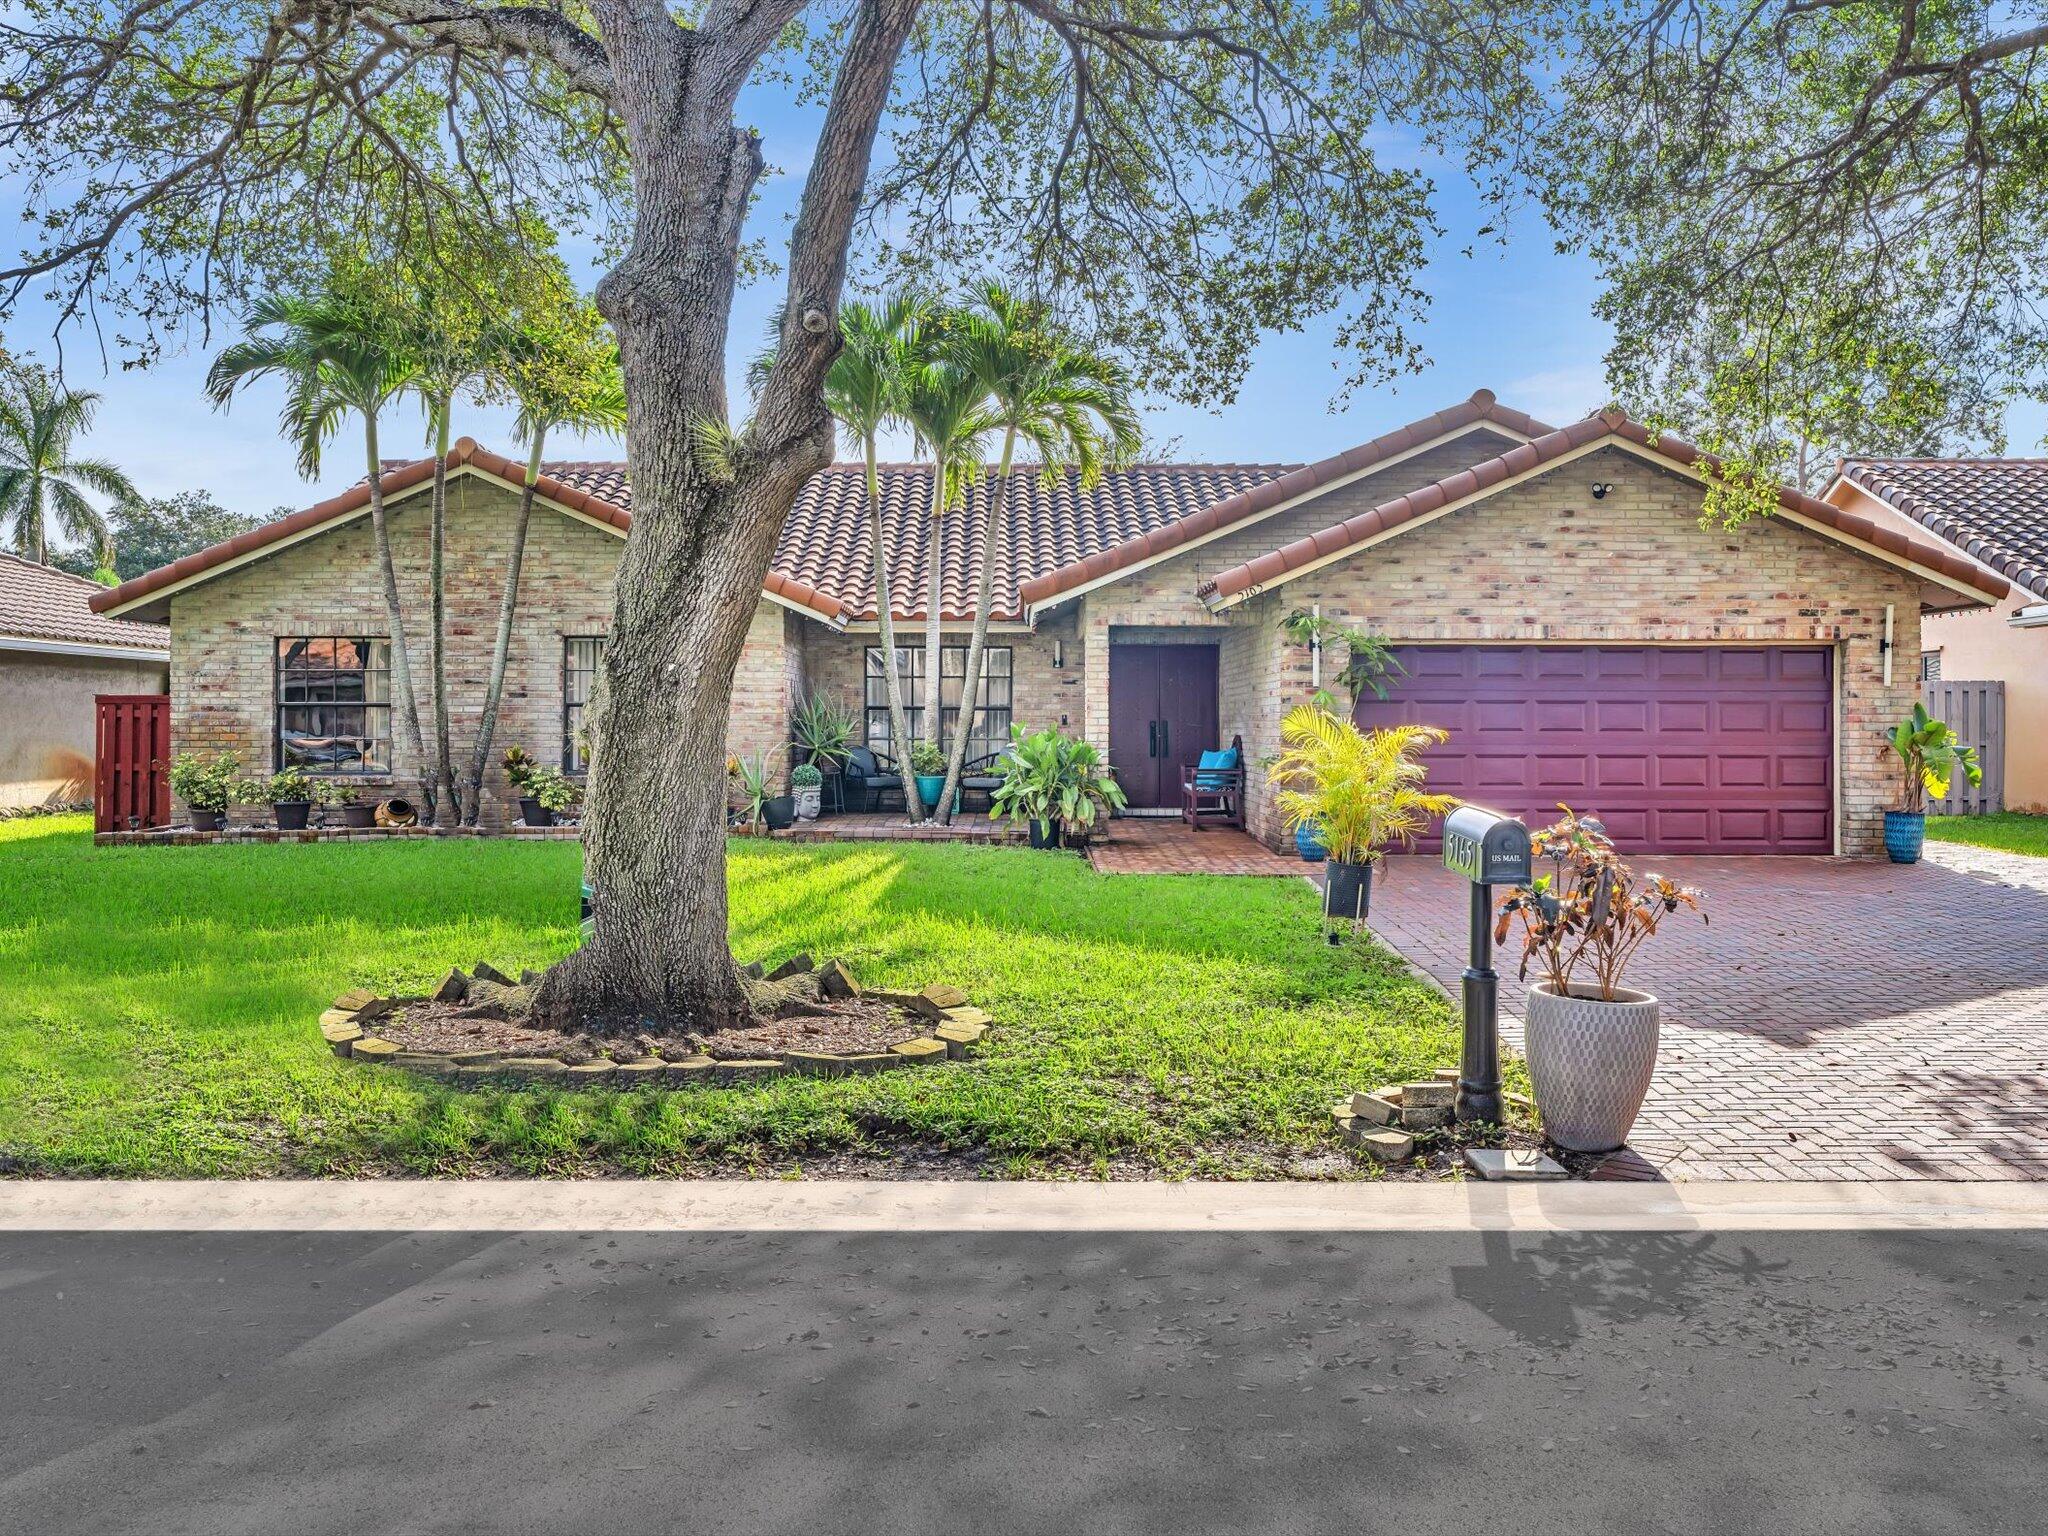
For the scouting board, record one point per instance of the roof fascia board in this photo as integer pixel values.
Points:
(84, 648)
(1483, 424)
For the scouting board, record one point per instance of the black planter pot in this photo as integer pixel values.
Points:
(292, 815)
(1347, 890)
(208, 821)
(359, 815)
(534, 814)
(1045, 834)
(779, 813)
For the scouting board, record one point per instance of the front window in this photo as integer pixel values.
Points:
(990, 730)
(334, 704)
(580, 655)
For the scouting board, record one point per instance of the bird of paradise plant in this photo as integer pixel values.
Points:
(1363, 789)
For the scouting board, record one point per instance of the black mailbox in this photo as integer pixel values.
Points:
(1486, 847)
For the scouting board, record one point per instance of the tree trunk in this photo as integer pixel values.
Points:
(934, 692)
(437, 603)
(970, 680)
(404, 703)
(689, 579)
(501, 650)
(899, 727)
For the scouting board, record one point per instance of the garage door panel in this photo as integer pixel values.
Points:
(1678, 749)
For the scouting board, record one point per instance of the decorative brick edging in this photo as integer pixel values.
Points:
(185, 837)
(956, 1025)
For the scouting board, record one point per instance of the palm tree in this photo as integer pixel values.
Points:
(561, 369)
(40, 479)
(946, 407)
(864, 392)
(1069, 404)
(334, 360)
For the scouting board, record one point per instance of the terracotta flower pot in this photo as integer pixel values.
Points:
(1591, 1062)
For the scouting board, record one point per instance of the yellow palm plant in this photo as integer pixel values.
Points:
(1361, 789)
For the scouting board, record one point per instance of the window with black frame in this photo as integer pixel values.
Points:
(580, 656)
(990, 731)
(334, 704)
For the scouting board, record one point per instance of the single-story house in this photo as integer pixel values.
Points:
(1554, 600)
(1995, 513)
(56, 655)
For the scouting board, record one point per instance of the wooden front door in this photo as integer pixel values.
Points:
(1162, 716)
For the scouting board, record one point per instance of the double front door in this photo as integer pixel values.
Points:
(1162, 716)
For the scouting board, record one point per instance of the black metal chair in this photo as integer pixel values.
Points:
(869, 776)
(980, 776)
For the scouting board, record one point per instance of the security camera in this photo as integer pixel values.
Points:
(1600, 490)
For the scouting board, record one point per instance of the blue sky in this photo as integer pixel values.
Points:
(1515, 318)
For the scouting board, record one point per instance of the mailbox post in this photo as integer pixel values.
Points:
(1488, 849)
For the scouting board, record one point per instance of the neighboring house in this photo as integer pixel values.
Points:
(55, 655)
(1995, 511)
(1554, 599)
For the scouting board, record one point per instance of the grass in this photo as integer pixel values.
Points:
(2010, 830)
(157, 1011)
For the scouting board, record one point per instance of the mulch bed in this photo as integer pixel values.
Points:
(843, 1026)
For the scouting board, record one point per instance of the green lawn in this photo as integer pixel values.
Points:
(2010, 830)
(157, 1011)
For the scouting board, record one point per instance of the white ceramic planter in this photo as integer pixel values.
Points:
(1591, 1063)
(808, 801)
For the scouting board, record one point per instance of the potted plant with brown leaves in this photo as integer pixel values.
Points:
(1591, 1042)
(1361, 790)
(340, 795)
(1930, 756)
(207, 786)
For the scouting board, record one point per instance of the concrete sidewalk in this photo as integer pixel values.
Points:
(936, 1206)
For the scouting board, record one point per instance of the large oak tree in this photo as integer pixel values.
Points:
(1183, 175)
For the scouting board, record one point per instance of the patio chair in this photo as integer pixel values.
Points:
(869, 776)
(981, 776)
(1213, 790)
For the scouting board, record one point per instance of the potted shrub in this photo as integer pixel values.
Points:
(928, 766)
(288, 793)
(206, 785)
(338, 795)
(554, 793)
(1056, 786)
(807, 784)
(522, 772)
(1591, 1042)
(1361, 790)
(1929, 758)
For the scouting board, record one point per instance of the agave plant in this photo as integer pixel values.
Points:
(1361, 789)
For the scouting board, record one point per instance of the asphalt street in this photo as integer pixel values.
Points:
(1040, 1382)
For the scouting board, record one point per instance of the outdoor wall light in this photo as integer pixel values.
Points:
(1600, 490)
(1059, 654)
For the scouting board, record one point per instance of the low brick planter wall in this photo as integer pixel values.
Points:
(349, 1029)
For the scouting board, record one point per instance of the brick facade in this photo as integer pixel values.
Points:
(224, 633)
(1538, 561)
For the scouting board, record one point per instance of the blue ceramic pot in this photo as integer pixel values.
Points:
(1905, 833)
(1308, 842)
(928, 787)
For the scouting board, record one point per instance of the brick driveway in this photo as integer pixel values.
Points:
(1838, 1019)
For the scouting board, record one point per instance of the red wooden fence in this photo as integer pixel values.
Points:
(131, 761)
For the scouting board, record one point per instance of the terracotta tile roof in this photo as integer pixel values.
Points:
(1995, 509)
(1274, 491)
(39, 603)
(1277, 564)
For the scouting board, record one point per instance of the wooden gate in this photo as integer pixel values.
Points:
(131, 761)
(1976, 712)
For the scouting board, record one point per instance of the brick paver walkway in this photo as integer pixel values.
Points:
(1146, 845)
(1837, 1020)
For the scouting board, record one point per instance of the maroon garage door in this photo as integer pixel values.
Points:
(1678, 750)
